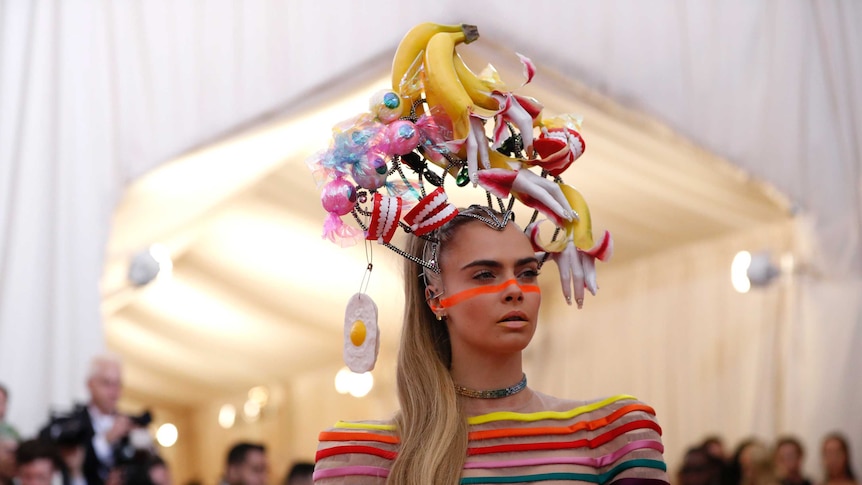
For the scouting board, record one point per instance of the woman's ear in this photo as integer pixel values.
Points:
(432, 297)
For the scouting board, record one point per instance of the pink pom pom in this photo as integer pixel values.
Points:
(403, 137)
(339, 197)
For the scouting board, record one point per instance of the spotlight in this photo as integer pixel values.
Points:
(749, 270)
(153, 262)
(349, 382)
(227, 416)
(167, 435)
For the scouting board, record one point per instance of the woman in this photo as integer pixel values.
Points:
(836, 461)
(466, 414)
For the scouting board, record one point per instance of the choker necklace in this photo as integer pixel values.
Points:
(493, 393)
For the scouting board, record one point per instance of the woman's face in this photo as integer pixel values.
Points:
(491, 297)
(834, 458)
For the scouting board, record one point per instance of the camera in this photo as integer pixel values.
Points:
(67, 429)
(143, 419)
(138, 444)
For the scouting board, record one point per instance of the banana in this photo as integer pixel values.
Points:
(408, 56)
(580, 231)
(477, 88)
(443, 88)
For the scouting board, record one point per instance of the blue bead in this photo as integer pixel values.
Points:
(391, 100)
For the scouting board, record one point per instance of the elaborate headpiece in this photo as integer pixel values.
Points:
(389, 168)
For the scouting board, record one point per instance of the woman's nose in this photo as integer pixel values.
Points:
(512, 291)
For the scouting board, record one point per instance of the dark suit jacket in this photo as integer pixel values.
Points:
(77, 426)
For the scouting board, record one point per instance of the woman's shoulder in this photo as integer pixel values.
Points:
(355, 452)
(615, 405)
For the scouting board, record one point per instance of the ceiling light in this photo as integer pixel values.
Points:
(342, 380)
(756, 270)
(167, 435)
(739, 270)
(259, 394)
(349, 382)
(227, 416)
(362, 384)
(251, 411)
(153, 262)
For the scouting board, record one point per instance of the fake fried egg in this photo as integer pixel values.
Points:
(361, 336)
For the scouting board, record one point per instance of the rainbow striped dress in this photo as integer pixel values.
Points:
(550, 441)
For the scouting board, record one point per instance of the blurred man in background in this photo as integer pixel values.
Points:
(95, 431)
(246, 465)
(37, 462)
(300, 474)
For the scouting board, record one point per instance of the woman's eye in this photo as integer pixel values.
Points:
(529, 274)
(483, 275)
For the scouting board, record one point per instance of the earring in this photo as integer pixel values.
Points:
(438, 317)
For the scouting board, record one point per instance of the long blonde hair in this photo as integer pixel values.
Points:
(431, 425)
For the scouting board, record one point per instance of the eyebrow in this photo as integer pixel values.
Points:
(496, 264)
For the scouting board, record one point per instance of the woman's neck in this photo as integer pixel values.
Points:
(487, 372)
(490, 373)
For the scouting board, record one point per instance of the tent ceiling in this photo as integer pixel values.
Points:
(255, 295)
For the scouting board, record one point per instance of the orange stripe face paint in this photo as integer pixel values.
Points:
(485, 290)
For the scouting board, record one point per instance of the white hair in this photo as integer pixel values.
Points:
(99, 362)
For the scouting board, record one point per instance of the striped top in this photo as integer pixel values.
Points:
(549, 441)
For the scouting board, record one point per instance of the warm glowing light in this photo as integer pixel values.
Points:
(167, 435)
(227, 416)
(357, 385)
(162, 256)
(739, 272)
(362, 384)
(342, 380)
(259, 394)
(251, 411)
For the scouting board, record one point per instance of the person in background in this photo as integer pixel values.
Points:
(300, 474)
(836, 461)
(750, 465)
(789, 456)
(159, 472)
(38, 461)
(699, 468)
(714, 446)
(6, 428)
(151, 471)
(106, 428)
(246, 465)
(8, 446)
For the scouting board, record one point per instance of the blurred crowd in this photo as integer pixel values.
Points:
(756, 462)
(95, 444)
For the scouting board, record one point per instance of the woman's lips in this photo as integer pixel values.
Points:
(514, 320)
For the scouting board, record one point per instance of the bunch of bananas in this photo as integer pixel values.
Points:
(427, 67)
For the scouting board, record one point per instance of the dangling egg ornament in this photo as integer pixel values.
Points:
(361, 335)
(386, 106)
(403, 137)
(338, 197)
(370, 173)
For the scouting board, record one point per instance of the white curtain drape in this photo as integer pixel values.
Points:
(93, 94)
